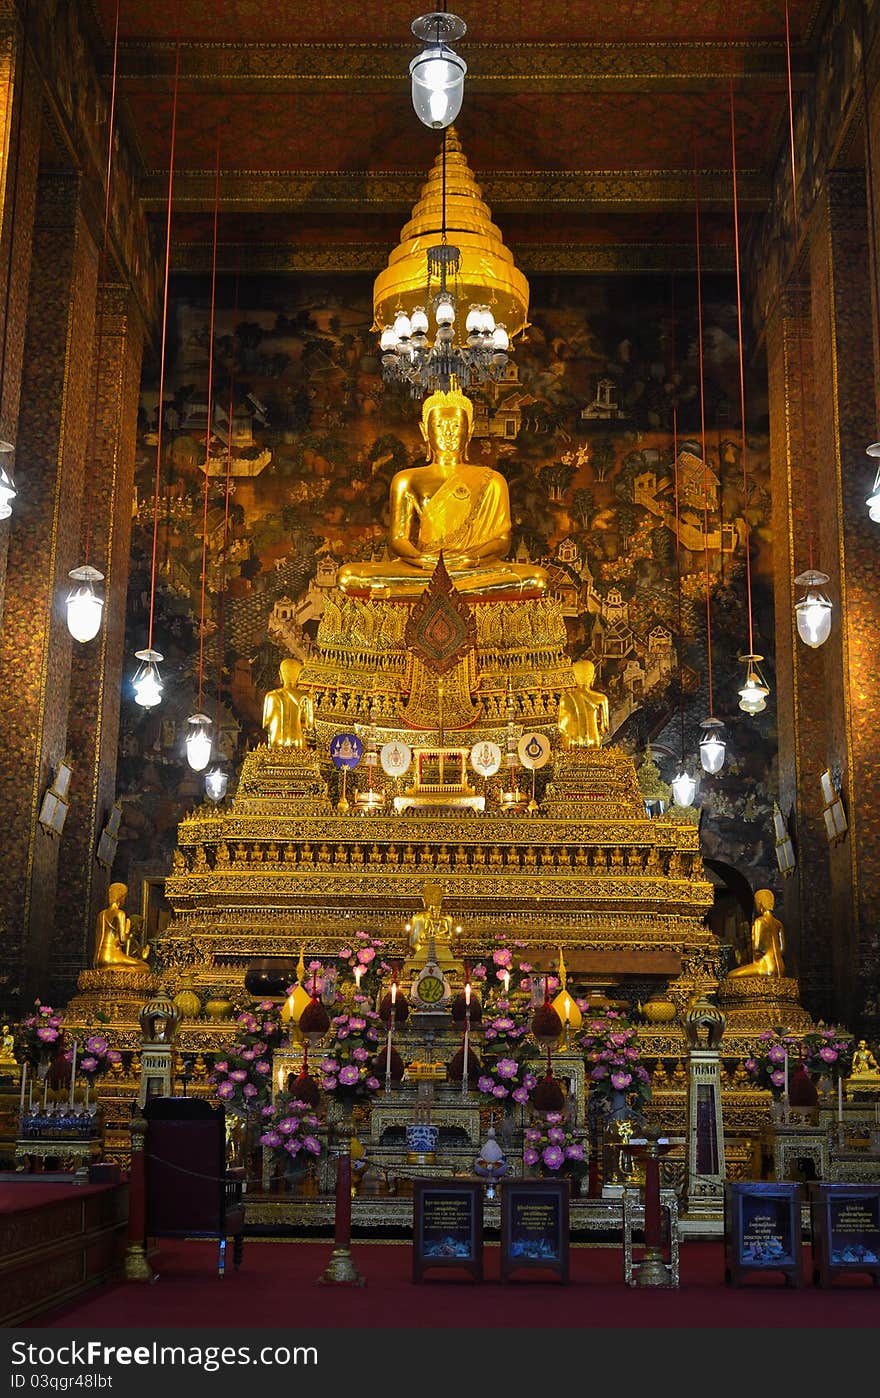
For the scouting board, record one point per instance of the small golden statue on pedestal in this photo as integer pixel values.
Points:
(287, 711)
(7, 1050)
(448, 507)
(114, 933)
(767, 941)
(865, 1073)
(431, 930)
(583, 711)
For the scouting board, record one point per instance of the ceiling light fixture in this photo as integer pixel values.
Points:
(813, 610)
(438, 72)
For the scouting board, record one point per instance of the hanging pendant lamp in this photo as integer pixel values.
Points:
(147, 683)
(713, 748)
(754, 690)
(216, 782)
(684, 788)
(873, 500)
(438, 72)
(198, 742)
(7, 489)
(84, 607)
(813, 610)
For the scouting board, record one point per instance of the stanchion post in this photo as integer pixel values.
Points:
(652, 1270)
(137, 1266)
(341, 1269)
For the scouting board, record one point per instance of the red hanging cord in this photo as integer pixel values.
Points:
(13, 148)
(810, 499)
(210, 421)
(869, 158)
(742, 376)
(102, 278)
(677, 525)
(221, 625)
(164, 333)
(699, 253)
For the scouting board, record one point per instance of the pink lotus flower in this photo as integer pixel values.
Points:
(552, 1157)
(328, 1084)
(346, 953)
(262, 1067)
(88, 1064)
(530, 1156)
(312, 1145)
(520, 1095)
(373, 1084)
(599, 1072)
(96, 1043)
(485, 1084)
(270, 1138)
(238, 1075)
(348, 1075)
(574, 1151)
(288, 1126)
(248, 1055)
(556, 1135)
(777, 1077)
(499, 1091)
(225, 1090)
(47, 1035)
(776, 1054)
(530, 1081)
(506, 1068)
(828, 1055)
(293, 1147)
(366, 955)
(620, 1081)
(248, 1090)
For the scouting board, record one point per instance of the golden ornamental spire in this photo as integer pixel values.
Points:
(488, 272)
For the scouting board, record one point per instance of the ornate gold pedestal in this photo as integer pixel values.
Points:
(756, 1003)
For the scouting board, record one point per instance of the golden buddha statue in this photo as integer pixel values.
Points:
(113, 933)
(287, 711)
(451, 507)
(7, 1049)
(768, 941)
(864, 1064)
(583, 711)
(431, 922)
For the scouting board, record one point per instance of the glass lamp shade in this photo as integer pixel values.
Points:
(388, 340)
(813, 610)
(684, 788)
(437, 75)
(402, 326)
(500, 337)
(147, 683)
(444, 309)
(7, 489)
(198, 742)
(713, 748)
(216, 782)
(873, 500)
(419, 321)
(754, 690)
(84, 607)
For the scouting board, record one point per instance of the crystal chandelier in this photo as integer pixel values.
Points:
(147, 683)
(438, 72)
(198, 742)
(712, 746)
(7, 489)
(813, 610)
(427, 337)
(84, 606)
(754, 689)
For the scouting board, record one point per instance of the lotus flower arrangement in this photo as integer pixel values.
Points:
(349, 1070)
(827, 1053)
(243, 1079)
(95, 1058)
(553, 1150)
(40, 1035)
(290, 1130)
(362, 960)
(766, 1066)
(610, 1045)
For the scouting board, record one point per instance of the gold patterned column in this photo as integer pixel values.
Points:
(97, 667)
(799, 670)
(20, 115)
(848, 550)
(35, 646)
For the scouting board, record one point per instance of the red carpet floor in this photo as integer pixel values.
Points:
(276, 1287)
(17, 1196)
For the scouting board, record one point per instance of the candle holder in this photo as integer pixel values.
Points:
(341, 1270)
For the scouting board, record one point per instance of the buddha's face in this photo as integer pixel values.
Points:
(447, 432)
(290, 671)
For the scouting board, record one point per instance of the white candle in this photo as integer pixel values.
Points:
(567, 1008)
(464, 1070)
(73, 1075)
(840, 1099)
(388, 1059)
(358, 972)
(505, 976)
(23, 1081)
(46, 1090)
(785, 1083)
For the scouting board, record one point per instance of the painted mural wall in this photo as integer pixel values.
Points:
(601, 398)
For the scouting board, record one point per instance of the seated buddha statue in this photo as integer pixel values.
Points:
(768, 941)
(583, 711)
(451, 507)
(287, 711)
(113, 933)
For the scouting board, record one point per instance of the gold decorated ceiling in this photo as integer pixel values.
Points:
(583, 122)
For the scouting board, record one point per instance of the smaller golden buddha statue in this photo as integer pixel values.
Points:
(864, 1064)
(583, 711)
(7, 1049)
(288, 711)
(113, 934)
(448, 507)
(768, 940)
(431, 930)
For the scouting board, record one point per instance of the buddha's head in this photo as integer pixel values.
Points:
(432, 897)
(584, 672)
(289, 670)
(117, 893)
(447, 424)
(764, 900)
